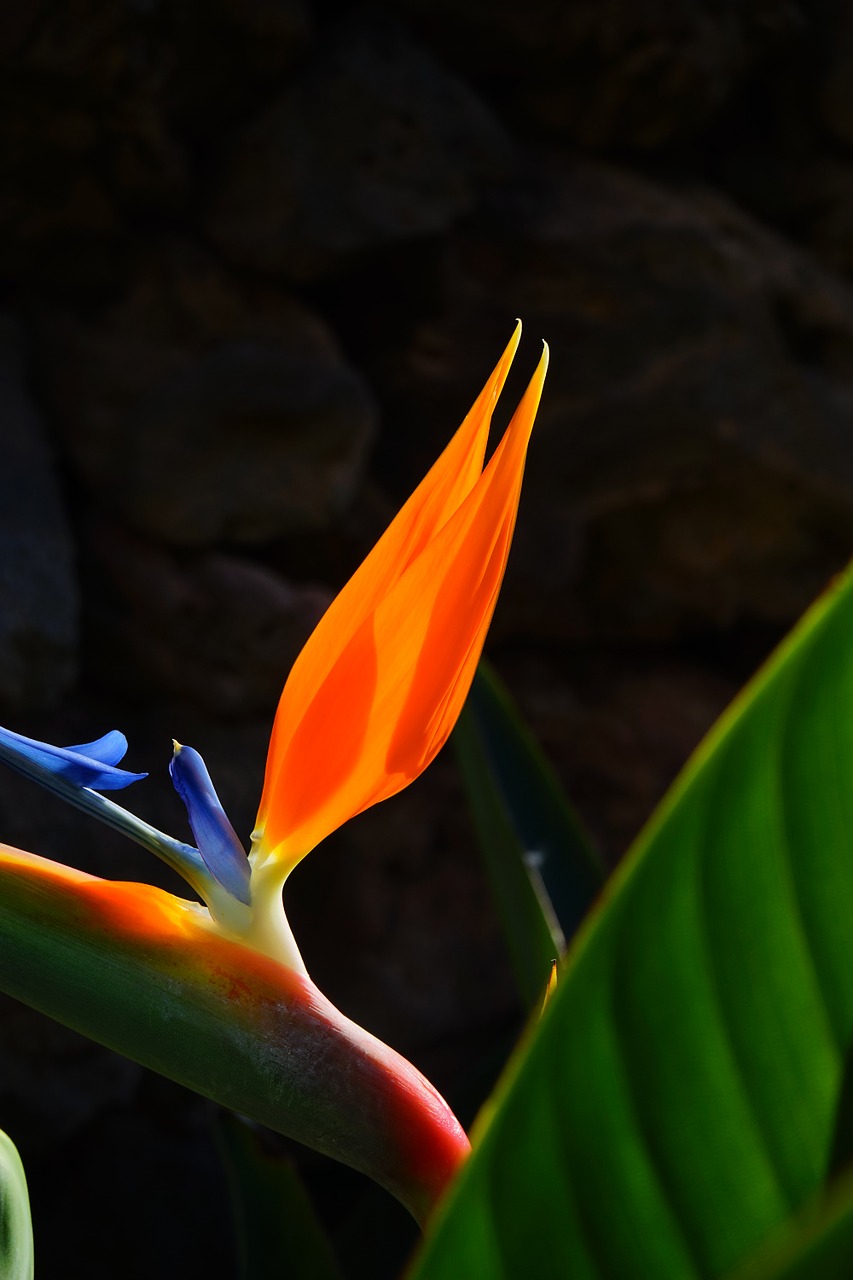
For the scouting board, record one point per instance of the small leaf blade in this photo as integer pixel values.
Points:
(278, 1230)
(548, 829)
(543, 869)
(532, 932)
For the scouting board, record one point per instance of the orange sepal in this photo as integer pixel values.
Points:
(381, 682)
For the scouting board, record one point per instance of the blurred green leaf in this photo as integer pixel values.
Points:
(543, 870)
(278, 1231)
(532, 932)
(16, 1230)
(686, 1089)
(817, 1245)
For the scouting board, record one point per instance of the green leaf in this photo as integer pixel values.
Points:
(546, 824)
(277, 1229)
(684, 1093)
(817, 1245)
(532, 932)
(543, 870)
(16, 1230)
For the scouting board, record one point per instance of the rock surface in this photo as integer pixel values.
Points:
(611, 73)
(397, 150)
(212, 629)
(203, 410)
(264, 256)
(38, 585)
(693, 459)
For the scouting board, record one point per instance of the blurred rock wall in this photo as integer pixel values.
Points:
(257, 258)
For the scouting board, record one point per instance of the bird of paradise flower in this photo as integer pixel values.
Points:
(215, 993)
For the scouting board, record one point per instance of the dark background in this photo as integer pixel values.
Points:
(257, 258)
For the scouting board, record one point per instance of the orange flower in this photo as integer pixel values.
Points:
(371, 698)
(217, 996)
(378, 687)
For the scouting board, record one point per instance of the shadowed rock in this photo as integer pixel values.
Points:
(212, 629)
(38, 588)
(611, 73)
(205, 411)
(693, 458)
(397, 148)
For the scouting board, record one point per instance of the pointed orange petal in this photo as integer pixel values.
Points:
(438, 495)
(393, 693)
(434, 499)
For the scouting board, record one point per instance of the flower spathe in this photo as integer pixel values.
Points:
(368, 704)
(148, 975)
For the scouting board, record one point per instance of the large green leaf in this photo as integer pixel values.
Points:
(685, 1090)
(16, 1231)
(816, 1245)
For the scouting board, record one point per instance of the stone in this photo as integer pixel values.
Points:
(836, 96)
(610, 73)
(84, 134)
(102, 109)
(692, 464)
(225, 57)
(213, 629)
(374, 143)
(618, 730)
(38, 584)
(826, 210)
(205, 410)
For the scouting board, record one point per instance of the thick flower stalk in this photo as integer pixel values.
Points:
(215, 993)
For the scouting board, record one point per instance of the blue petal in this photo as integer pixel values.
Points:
(218, 844)
(109, 749)
(89, 765)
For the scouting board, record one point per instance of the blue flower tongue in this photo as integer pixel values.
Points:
(218, 844)
(90, 765)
